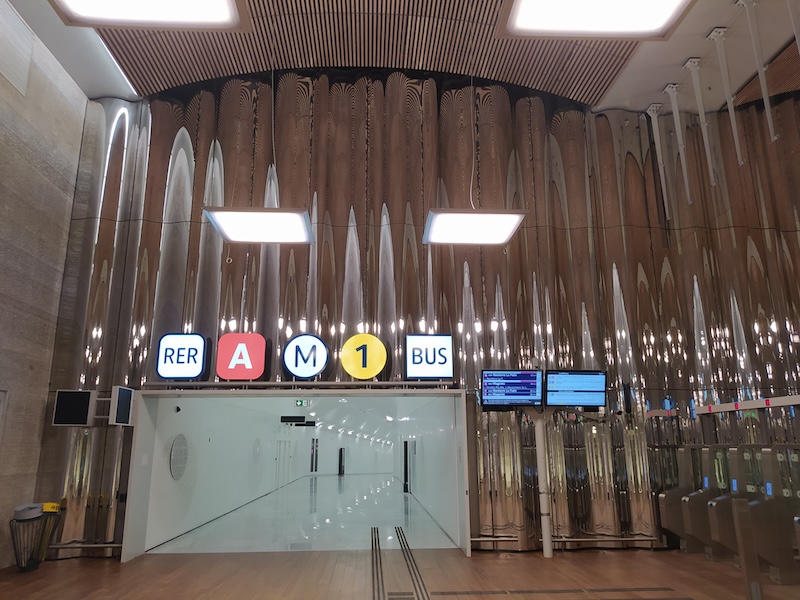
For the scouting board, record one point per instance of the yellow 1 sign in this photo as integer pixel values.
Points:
(363, 356)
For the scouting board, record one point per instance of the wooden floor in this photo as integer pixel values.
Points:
(390, 575)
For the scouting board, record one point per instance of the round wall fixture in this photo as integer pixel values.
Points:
(178, 456)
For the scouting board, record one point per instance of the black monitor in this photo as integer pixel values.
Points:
(74, 408)
(121, 411)
(576, 389)
(511, 388)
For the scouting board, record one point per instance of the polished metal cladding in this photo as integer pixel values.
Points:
(690, 298)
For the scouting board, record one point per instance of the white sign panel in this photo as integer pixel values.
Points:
(181, 356)
(305, 356)
(429, 357)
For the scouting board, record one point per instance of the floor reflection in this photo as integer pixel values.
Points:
(320, 512)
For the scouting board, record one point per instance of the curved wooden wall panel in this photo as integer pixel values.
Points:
(700, 302)
(702, 306)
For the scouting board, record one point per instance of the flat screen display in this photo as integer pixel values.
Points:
(512, 388)
(121, 410)
(576, 389)
(74, 408)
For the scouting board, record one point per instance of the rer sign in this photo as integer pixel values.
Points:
(429, 356)
(181, 356)
(305, 356)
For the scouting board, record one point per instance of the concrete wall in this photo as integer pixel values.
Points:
(41, 128)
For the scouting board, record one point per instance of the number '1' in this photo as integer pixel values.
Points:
(363, 349)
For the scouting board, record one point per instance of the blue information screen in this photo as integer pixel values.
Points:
(512, 388)
(576, 388)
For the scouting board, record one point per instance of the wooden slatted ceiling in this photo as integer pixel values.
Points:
(450, 36)
(783, 76)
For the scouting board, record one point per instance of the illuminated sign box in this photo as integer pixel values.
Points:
(241, 356)
(511, 388)
(181, 356)
(429, 356)
(576, 389)
(305, 356)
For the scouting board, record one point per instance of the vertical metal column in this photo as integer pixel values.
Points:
(718, 36)
(544, 486)
(672, 91)
(750, 6)
(652, 112)
(693, 64)
(794, 19)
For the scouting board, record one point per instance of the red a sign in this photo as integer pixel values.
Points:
(240, 356)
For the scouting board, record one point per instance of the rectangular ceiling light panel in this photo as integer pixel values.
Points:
(481, 227)
(261, 225)
(593, 18)
(198, 14)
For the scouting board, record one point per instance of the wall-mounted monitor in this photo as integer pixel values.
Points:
(576, 389)
(429, 356)
(121, 411)
(74, 408)
(511, 388)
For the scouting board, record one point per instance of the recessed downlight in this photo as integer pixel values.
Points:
(211, 14)
(591, 18)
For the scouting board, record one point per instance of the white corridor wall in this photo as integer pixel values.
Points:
(436, 435)
(235, 442)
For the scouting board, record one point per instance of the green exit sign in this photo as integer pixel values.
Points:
(301, 402)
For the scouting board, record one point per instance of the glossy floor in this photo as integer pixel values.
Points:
(323, 512)
(348, 575)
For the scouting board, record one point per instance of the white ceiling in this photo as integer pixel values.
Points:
(79, 50)
(653, 65)
(658, 63)
(374, 413)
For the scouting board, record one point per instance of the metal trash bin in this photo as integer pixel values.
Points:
(31, 531)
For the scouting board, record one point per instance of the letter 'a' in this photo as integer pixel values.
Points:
(241, 357)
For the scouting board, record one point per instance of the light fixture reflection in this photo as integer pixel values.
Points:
(482, 227)
(261, 225)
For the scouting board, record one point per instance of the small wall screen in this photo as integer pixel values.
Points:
(121, 411)
(74, 408)
(511, 388)
(576, 389)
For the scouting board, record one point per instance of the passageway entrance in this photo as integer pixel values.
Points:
(269, 470)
